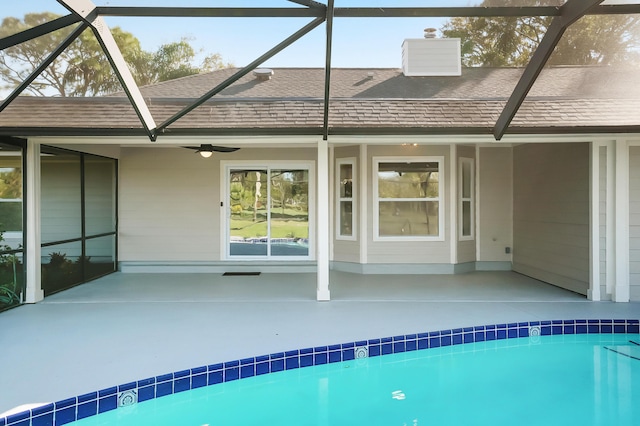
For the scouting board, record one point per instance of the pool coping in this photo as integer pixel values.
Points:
(94, 403)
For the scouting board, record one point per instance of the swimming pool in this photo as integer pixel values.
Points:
(503, 357)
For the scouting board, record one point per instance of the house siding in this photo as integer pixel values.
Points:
(495, 167)
(602, 223)
(551, 214)
(169, 206)
(409, 252)
(634, 222)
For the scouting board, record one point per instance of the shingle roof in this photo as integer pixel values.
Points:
(292, 102)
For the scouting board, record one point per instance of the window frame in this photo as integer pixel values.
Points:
(353, 199)
(440, 199)
(470, 199)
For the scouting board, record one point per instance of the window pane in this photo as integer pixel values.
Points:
(408, 180)
(100, 195)
(346, 180)
(466, 179)
(100, 259)
(60, 196)
(11, 235)
(61, 267)
(466, 218)
(346, 218)
(289, 213)
(248, 203)
(408, 218)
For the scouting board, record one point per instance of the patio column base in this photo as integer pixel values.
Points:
(323, 295)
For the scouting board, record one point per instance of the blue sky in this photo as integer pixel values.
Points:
(357, 42)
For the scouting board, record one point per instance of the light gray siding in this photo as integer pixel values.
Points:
(634, 222)
(551, 214)
(495, 203)
(169, 207)
(419, 252)
(602, 224)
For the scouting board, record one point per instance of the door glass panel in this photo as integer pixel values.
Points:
(11, 232)
(289, 212)
(248, 213)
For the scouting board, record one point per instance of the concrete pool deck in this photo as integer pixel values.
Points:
(127, 326)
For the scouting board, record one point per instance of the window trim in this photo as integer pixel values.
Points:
(225, 213)
(470, 200)
(440, 199)
(353, 199)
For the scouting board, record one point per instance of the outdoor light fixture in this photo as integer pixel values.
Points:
(206, 150)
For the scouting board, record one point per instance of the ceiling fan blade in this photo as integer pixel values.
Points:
(223, 148)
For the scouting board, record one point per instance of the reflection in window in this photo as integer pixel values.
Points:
(466, 179)
(11, 229)
(408, 198)
(346, 199)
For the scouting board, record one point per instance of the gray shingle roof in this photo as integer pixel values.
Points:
(292, 102)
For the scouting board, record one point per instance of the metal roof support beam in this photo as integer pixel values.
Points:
(87, 11)
(211, 12)
(327, 70)
(309, 3)
(571, 11)
(244, 71)
(38, 31)
(49, 59)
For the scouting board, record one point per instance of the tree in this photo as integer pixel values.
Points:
(511, 41)
(82, 69)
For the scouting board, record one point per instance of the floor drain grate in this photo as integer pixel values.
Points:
(240, 274)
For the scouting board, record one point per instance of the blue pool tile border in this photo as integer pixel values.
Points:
(93, 403)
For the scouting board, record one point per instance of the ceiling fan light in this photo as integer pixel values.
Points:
(205, 154)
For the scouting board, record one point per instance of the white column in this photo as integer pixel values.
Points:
(610, 219)
(34, 291)
(332, 197)
(363, 207)
(453, 202)
(594, 270)
(324, 232)
(621, 286)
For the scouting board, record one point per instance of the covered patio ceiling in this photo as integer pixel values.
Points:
(85, 14)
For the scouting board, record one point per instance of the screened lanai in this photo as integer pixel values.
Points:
(101, 98)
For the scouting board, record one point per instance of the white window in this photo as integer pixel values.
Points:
(466, 209)
(346, 190)
(408, 198)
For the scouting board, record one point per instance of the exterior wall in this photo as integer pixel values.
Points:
(634, 222)
(495, 204)
(551, 214)
(169, 208)
(111, 151)
(344, 250)
(407, 252)
(466, 248)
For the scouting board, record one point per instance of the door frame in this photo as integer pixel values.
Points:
(225, 209)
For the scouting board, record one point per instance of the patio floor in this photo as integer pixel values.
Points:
(127, 326)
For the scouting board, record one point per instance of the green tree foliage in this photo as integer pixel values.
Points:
(511, 41)
(82, 69)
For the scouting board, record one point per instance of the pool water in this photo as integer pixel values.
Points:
(548, 380)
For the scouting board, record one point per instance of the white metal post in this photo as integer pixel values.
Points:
(33, 291)
(594, 242)
(324, 232)
(621, 288)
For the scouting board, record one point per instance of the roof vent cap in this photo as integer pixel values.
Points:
(430, 33)
(263, 74)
